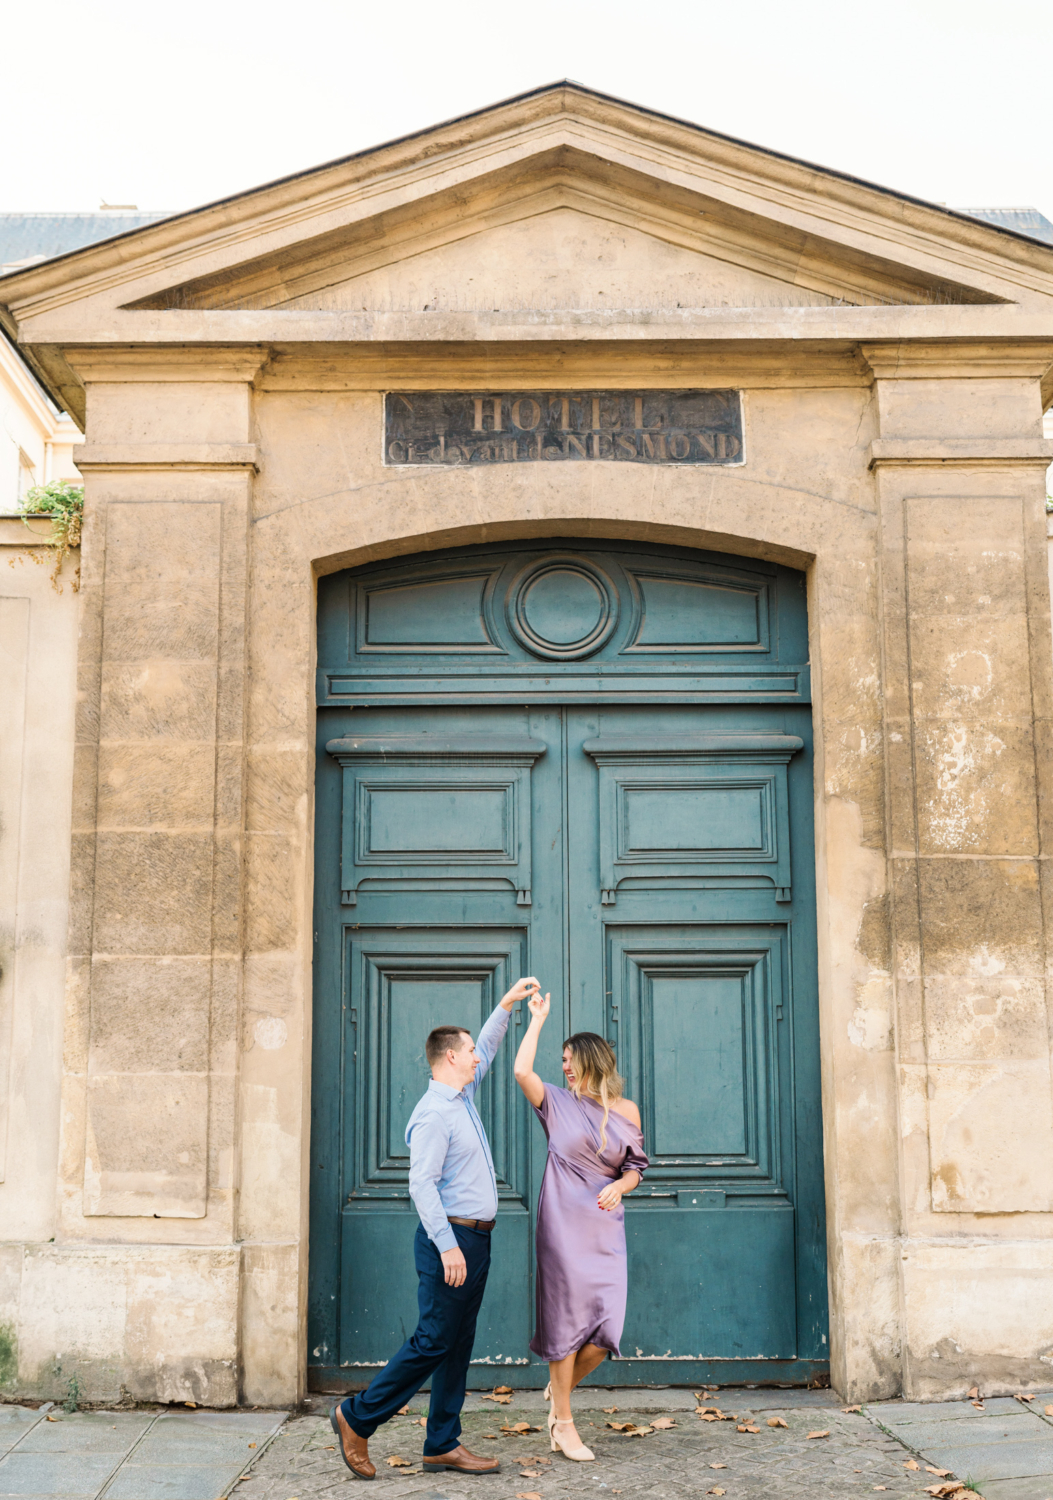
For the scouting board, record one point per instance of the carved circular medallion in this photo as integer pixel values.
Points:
(562, 608)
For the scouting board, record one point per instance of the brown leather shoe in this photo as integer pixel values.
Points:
(354, 1450)
(460, 1459)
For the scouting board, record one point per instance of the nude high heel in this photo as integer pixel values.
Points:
(580, 1454)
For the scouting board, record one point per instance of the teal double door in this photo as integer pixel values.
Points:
(636, 831)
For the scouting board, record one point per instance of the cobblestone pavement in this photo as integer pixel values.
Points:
(691, 1459)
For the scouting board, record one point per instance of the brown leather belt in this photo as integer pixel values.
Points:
(486, 1224)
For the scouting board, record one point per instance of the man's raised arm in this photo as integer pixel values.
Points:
(492, 1034)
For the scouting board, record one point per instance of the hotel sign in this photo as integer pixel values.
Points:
(458, 428)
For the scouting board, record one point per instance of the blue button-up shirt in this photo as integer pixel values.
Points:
(451, 1169)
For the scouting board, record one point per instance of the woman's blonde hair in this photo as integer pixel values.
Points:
(595, 1072)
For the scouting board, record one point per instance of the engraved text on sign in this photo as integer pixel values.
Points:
(642, 427)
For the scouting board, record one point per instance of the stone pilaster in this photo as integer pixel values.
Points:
(960, 471)
(156, 933)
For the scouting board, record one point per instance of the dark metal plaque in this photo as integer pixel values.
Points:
(634, 427)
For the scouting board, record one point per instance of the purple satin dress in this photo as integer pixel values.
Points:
(581, 1276)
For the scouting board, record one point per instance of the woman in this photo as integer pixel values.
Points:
(595, 1156)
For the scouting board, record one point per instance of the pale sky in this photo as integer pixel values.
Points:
(169, 106)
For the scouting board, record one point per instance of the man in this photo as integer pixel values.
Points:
(454, 1190)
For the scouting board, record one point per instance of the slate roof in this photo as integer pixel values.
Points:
(26, 239)
(1020, 220)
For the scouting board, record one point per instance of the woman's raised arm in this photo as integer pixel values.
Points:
(523, 1068)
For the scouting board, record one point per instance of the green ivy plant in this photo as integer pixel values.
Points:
(62, 503)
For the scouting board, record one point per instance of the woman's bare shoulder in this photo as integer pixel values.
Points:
(627, 1108)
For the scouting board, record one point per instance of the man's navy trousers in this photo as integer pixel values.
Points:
(440, 1346)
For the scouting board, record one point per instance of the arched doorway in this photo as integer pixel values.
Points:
(591, 762)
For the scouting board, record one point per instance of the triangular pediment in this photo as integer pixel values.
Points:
(562, 210)
(565, 230)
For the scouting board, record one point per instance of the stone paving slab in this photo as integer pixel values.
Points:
(15, 1423)
(1003, 1443)
(55, 1473)
(87, 1432)
(173, 1481)
(1018, 1489)
(159, 1455)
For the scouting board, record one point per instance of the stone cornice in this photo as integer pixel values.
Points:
(949, 360)
(961, 452)
(193, 363)
(103, 457)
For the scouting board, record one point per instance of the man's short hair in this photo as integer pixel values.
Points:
(442, 1040)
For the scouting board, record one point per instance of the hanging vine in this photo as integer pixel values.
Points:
(62, 503)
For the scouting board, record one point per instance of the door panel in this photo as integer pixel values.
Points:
(648, 855)
(401, 984)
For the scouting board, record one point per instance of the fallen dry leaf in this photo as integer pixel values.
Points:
(745, 1427)
(974, 1393)
(1021, 1397)
(825, 1433)
(851, 1408)
(1049, 1411)
(398, 1463)
(979, 1405)
(402, 1411)
(909, 1463)
(661, 1423)
(610, 1410)
(502, 1390)
(530, 1473)
(718, 1466)
(940, 1473)
(527, 1495)
(620, 1426)
(330, 1447)
(252, 1445)
(881, 1486)
(191, 1403)
(421, 1422)
(777, 1422)
(499, 1399)
(491, 1435)
(942, 1491)
(54, 1419)
(716, 1491)
(520, 1427)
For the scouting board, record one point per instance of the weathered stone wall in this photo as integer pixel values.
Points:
(38, 655)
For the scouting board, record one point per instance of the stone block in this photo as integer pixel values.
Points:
(146, 1145)
(161, 785)
(865, 1348)
(149, 1011)
(276, 801)
(976, 1311)
(984, 1119)
(159, 699)
(966, 557)
(980, 916)
(174, 620)
(270, 1343)
(985, 1017)
(159, 1320)
(162, 542)
(153, 893)
(968, 668)
(975, 787)
(197, 411)
(273, 902)
(997, 406)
